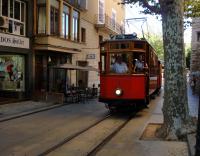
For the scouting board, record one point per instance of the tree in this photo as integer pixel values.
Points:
(177, 121)
(157, 43)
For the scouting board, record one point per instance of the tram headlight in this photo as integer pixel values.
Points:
(118, 92)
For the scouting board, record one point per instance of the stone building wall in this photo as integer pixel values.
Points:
(195, 55)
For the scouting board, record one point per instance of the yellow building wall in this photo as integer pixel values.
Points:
(120, 9)
(91, 46)
(91, 14)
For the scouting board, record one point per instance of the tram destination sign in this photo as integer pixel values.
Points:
(14, 41)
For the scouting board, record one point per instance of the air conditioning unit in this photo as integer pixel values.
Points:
(4, 22)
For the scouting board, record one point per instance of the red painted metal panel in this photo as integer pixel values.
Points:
(159, 81)
(153, 84)
(133, 86)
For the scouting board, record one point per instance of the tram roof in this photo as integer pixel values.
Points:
(124, 37)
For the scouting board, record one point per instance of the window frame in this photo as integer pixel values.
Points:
(113, 18)
(41, 6)
(75, 24)
(54, 29)
(101, 13)
(65, 15)
(102, 63)
(18, 24)
(83, 35)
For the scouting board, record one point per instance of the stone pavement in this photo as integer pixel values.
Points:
(12, 110)
(193, 103)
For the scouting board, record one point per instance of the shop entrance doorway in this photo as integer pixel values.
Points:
(82, 76)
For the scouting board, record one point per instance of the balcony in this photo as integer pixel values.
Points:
(104, 22)
(56, 44)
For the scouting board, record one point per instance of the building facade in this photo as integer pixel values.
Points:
(16, 21)
(69, 31)
(195, 44)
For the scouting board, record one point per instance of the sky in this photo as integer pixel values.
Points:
(152, 25)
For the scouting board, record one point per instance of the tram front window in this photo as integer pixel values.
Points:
(127, 63)
(119, 63)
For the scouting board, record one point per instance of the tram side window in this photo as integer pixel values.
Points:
(139, 63)
(103, 64)
(153, 64)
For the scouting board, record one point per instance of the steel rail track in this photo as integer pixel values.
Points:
(67, 139)
(96, 148)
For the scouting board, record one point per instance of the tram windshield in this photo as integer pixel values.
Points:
(126, 63)
(119, 63)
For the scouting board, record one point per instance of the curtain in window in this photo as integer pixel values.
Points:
(113, 19)
(75, 25)
(41, 20)
(54, 21)
(65, 22)
(101, 11)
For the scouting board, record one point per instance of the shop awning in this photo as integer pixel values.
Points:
(68, 66)
(90, 68)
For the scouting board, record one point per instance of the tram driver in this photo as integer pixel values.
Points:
(119, 66)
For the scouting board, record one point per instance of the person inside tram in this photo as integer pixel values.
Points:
(119, 66)
(140, 65)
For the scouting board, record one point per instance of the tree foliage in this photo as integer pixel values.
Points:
(192, 8)
(157, 42)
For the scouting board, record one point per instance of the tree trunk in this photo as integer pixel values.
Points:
(175, 106)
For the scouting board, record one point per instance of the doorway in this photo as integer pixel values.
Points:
(82, 76)
(39, 71)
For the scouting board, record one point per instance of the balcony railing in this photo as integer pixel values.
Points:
(103, 21)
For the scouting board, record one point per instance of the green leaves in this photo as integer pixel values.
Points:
(192, 8)
(157, 43)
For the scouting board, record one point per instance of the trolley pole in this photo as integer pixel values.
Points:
(197, 152)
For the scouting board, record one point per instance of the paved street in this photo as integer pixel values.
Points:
(31, 134)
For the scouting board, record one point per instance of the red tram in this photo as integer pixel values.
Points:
(128, 86)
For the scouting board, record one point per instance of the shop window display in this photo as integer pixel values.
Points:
(12, 72)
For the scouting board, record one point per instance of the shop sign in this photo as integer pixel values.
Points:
(14, 41)
(90, 56)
